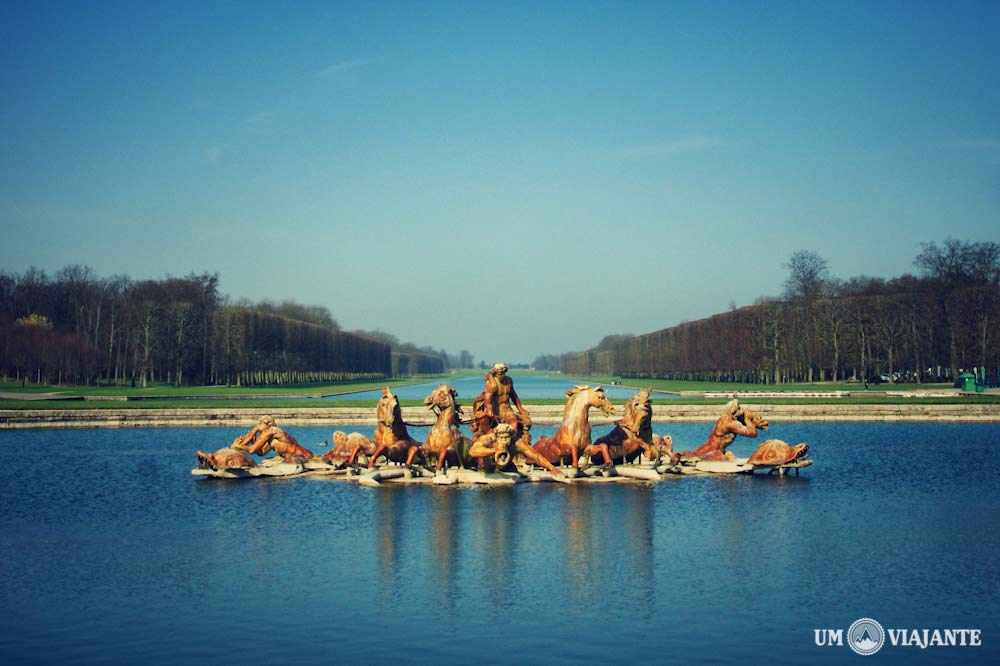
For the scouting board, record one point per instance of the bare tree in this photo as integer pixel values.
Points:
(808, 274)
(954, 265)
(958, 264)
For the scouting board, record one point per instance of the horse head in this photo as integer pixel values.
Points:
(641, 402)
(442, 398)
(388, 408)
(638, 411)
(599, 400)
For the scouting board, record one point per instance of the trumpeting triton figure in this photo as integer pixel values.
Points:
(499, 444)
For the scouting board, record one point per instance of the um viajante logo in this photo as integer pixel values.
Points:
(866, 637)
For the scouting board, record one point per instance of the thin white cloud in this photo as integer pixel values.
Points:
(691, 144)
(214, 154)
(341, 67)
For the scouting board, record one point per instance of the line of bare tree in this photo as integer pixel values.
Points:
(929, 326)
(408, 359)
(76, 327)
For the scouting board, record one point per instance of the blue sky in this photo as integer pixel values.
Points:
(509, 179)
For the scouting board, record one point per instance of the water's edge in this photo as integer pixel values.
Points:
(541, 414)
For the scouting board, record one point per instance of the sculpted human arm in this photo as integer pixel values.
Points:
(242, 441)
(748, 430)
(262, 444)
(737, 427)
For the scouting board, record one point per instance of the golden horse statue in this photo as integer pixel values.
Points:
(444, 439)
(633, 434)
(572, 439)
(391, 436)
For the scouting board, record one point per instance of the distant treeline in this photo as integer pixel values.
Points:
(409, 360)
(78, 328)
(911, 328)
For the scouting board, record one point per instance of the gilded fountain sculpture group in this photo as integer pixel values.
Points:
(501, 437)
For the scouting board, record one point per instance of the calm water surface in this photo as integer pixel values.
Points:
(527, 387)
(112, 553)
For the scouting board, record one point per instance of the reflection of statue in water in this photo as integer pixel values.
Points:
(499, 403)
(267, 436)
(499, 445)
(633, 434)
(734, 421)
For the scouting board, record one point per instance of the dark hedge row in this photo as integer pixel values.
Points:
(78, 328)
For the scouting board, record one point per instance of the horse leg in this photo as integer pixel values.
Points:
(413, 451)
(603, 449)
(647, 451)
(632, 448)
(378, 451)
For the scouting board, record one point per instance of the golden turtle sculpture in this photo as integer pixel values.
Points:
(774, 452)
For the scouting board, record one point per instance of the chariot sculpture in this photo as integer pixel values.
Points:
(499, 442)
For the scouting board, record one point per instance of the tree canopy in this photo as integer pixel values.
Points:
(915, 327)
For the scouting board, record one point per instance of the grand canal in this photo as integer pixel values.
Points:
(111, 552)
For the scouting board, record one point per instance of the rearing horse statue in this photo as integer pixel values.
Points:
(572, 439)
(444, 439)
(633, 434)
(391, 436)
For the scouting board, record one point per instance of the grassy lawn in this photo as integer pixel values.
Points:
(678, 386)
(166, 396)
(169, 391)
(279, 403)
